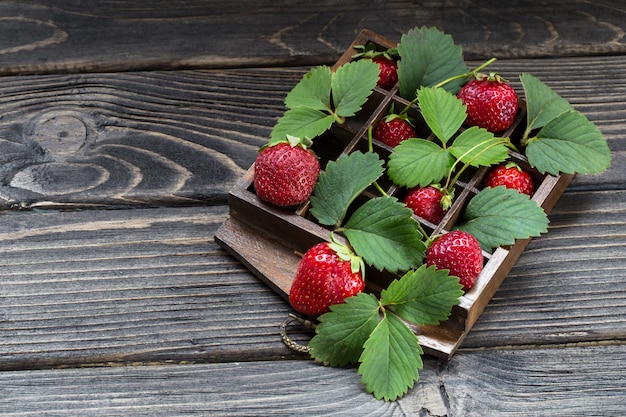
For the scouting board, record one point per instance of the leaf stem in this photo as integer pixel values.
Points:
(338, 119)
(465, 75)
(422, 231)
(496, 141)
(370, 147)
(446, 81)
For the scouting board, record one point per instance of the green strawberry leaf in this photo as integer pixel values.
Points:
(423, 296)
(428, 57)
(570, 143)
(312, 91)
(499, 215)
(391, 359)
(340, 336)
(301, 122)
(479, 147)
(310, 112)
(418, 162)
(337, 186)
(352, 84)
(383, 232)
(442, 111)
(543, 104)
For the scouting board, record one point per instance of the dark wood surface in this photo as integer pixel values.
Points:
(124, 124)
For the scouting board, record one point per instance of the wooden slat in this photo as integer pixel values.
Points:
(138, 138)
(185, 137)
(105, 35)
(574, 381)
(129, 285)
(282, 388)
(145, 285)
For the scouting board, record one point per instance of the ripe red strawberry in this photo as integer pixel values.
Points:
(511, 176)
(285, 174)
(394, 129)
(388, 75)
(328, 273)
(430, 203)
(460, 253)
(491, 102)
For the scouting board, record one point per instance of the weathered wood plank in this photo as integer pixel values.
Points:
(129, 285)
(150, 285)
(140, 138)
(105, 35)
(185, 137)
(574, 381)
(279, 388)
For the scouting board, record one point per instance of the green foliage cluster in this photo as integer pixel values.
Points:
(383, 231)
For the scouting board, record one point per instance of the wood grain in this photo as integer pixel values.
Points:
(576, 381)
(151, 285)
(129, 285)
(185, 137)
(138, 138)
(108, 36)
(282, 388)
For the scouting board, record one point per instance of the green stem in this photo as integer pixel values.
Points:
(340, 120)
(467, 74)
(370, 147)
(497, 141)
(380, 189)
(446, 81)
(525, 136)
(421, 230)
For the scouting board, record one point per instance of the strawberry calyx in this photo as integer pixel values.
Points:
(369, 51)
(345, 253)
(491, 77)
(447, 196)
(402, 116)
(304, 143)
(513, 164)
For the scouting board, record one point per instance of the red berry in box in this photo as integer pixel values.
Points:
(285, 174)
(430, 203)
(393, 129)
(388, 75)
(511, 176)
(491, 102)
(460, 253)
(327, 275)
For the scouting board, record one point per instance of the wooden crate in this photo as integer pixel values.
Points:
(268, 239)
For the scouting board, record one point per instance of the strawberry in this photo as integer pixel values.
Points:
(460, 253)
(511, 176)
(285, 173)
(328, 273)
(491, 102)
(430, 203)
(386, 61)
(394, 129)
(388, 75)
